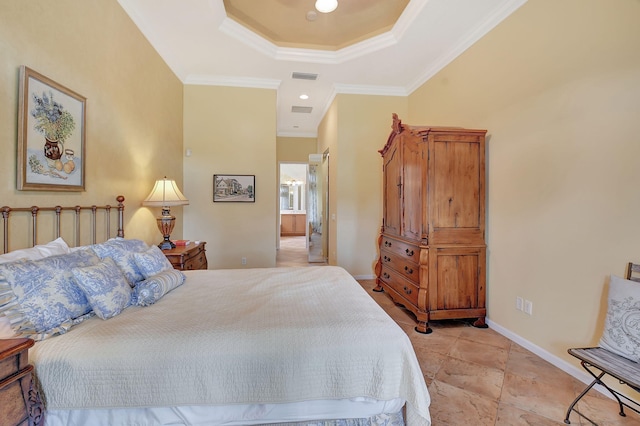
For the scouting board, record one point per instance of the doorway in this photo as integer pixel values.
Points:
(303, 199)
(292, 212)
(318, 207)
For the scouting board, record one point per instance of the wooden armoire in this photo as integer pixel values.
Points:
(432, 247)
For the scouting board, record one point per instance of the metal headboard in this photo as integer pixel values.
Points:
(35, 210)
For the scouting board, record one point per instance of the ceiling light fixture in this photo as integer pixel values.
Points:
(304, 96)
(326, 6)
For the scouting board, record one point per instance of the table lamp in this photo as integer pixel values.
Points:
(165, 194)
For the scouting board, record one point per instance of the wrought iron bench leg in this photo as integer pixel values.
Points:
(584, 392)
(575, 401)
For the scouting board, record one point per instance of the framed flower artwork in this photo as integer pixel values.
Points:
(51, 135)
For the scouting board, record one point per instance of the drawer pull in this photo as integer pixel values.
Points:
(386, 276)
(387, 244)
(409, 252)
(408, 270)
(407, 290)
(387, 259)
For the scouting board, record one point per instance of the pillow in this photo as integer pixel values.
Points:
(151, 290)
(55, 247)
(152, 262)
(40, 297)
(105, 286)
(6, 332)
(121, 251)
(622, 325)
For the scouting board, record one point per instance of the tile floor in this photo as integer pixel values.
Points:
(478, 377)
(293, 252)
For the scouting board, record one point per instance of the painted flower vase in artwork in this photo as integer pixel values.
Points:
(56, 125)
(52, 151)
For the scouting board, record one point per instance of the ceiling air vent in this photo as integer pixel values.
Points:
(304, 76)
(303, 109)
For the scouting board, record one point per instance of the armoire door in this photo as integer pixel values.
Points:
(456, 189)
(392, 167)
(413, 176)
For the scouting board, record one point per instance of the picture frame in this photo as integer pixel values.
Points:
(51, 135)
(234, 188)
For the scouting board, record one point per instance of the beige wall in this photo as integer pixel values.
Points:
(295, 150)
(133, 109)
(231, 130)
(557, 85)
(355, 128)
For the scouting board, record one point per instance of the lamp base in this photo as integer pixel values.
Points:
(167, 245)
(165, 225)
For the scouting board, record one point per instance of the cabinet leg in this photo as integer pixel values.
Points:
(423, 327)
(378, 288)
(479, 323)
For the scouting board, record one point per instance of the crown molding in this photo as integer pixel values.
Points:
(355, 89)
(213, 80)
(318, 56)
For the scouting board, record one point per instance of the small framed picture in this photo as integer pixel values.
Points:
(51, 135)
(234, 188)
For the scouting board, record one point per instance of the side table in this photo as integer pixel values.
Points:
(191, 256)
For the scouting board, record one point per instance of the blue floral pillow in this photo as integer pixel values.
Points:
(149, 291)
(105, 286)
(41, 297)
(121, 251)
(152, 262)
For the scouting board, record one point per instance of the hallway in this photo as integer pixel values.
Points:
(293, 252)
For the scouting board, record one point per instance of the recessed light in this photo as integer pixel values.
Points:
(312, 16)
(304, 96)
(326, 6)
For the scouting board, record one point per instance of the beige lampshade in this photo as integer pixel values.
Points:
(165, 193)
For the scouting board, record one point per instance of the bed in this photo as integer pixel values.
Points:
(236, 347)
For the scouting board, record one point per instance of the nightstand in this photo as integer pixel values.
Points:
(20, 404)
(187, 257)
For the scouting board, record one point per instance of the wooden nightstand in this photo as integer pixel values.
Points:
(187, 257)
(20, 404)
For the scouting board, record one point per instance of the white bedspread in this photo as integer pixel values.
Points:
(237, 336)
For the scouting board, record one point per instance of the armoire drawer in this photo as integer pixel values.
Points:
(404, 250)
(406, 267)
(403, 286)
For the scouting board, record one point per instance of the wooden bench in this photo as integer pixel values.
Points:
(599, 362)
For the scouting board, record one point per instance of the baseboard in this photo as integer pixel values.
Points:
(563, 365)
(364, 277)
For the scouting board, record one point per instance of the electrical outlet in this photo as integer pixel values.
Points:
(244, 260)
(519, 303)
(528, 307)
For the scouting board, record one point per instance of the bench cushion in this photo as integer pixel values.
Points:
(622, 326)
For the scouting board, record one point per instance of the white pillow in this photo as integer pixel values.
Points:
(6, 332)
(622, 325)
(55, 247)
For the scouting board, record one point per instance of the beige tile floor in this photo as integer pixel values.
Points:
(478, 377)
(293, 252)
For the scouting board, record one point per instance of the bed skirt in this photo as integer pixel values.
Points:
(362, 412)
